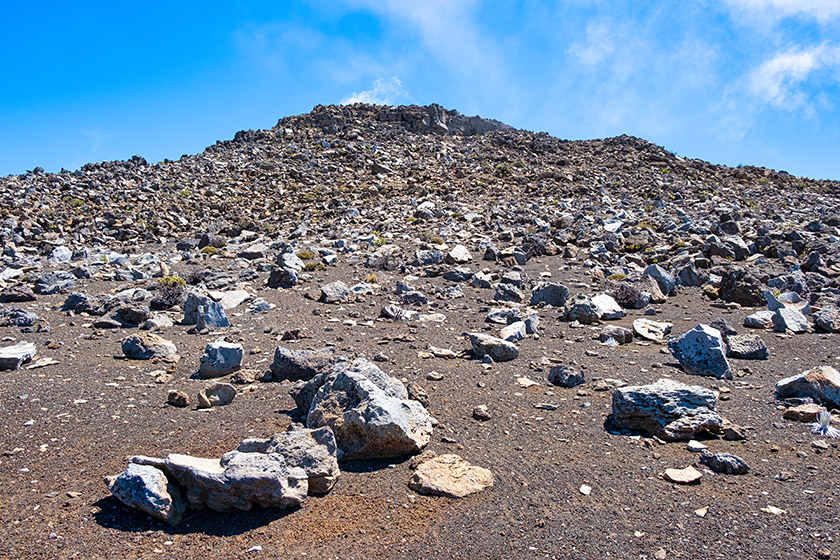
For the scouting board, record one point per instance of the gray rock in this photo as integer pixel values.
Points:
(290, 261)
(145, 346)
(314, 451)
(11, 357)
(54, 282)
(199, 306)
(789, 319)
(619, 334)
(820, 383)
(759, 320)
(513, 332)
(217, 394)
(651, 330)
(664, 279)
(747, 347)
(428, 257)
(499, 350)
(334, 292)
(295, 365)
(147, 489)
(508, 292)
(566, 376)
(368, 422)
(459, 255)
(220, 358)
(724, 463)
(607, 307)
(280, 277)
(458, 274)
(828, 319)
(481, 280)
(667, 409)
(532, 323)
(503, 315)
(690, 276)
(16, 317)
(238, 481)
(701, 351)
(581, 309)
(550, 293)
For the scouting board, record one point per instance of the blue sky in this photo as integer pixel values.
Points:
(753, 82)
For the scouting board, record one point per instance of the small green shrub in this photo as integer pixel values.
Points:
(305, 255)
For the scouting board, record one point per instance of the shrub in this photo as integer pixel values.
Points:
(305, 255)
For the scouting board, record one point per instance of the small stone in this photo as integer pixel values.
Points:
(566, 376)
(145, 346)
(178, 398)
(803, 412)
(481, 413)
(450, 476)
(217, 394)
(688, 475)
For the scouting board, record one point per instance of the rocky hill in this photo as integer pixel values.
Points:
(402, 332)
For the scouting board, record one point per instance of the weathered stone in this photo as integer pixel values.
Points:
(550, 293)
(828, 319)
(651, 330)
(701, 351)
(459, 255)
(741, 287)
(11, 357)
(220, 358)
(581, 308)
(620, 334)
(147, 489)
(217, 394)
(508, 292)
(566, 376)
(803, 412)
(145, 346)
(451, 476)
(314, 451)
(513, 332)
(747, 347)
(499, 350)
(295, 365)
(667, 409)
(688, 475)
(334, 292)
(178, 399)
(200, 307)
(759, 320)
(664, 279)
(789, 319)
(724, 463)
(607, 307)
(821, 383)
(54, 282)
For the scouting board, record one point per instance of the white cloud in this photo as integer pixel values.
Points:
(383, 92)
(778, 80)
(822, 11)
(598, 46)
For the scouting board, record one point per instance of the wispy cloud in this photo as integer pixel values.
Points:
(383, 92)
(759, 11)
(778, 80)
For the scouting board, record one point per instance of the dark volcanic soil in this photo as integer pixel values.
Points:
(66, 426)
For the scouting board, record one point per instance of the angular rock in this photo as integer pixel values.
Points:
(550, 293)
(314, 451)
(459, 255)
(450, 476)
(760, 320)
(295, 365)
(821, 383)
(499, 350)
(334, 292)
(217, 394)
(11, 357)
(508, 292)
(651, 330)
(54, 282)
(789, 319)
(741, 287)
(147, 489)
(620, 334)
(607, 307)
(145, 346)
(581, 308)
(566, 376)
(178, 399)
(701, 351)
(747, 347)
(220, 358)
(513, 332)
(667, 409)
(203, 308)
(724, 463)
(664, 279)
(803, 412)
(828, 319)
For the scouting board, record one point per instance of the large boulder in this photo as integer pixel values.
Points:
(550, 293)
(147, 489)
(496, 348)
(701, 351)
(369, 412)
(820, 383)
(199, 306)
(220, 358)
(145, 346)
(741, 287)
(668, 409)
(296, 365)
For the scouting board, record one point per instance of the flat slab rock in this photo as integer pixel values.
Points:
(450, 476)
(820, 383)
(11, 357)
(688, 475)
(498, 349)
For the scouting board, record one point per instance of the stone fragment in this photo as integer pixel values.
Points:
(147, 489)
(499, 350)
(581, 308)
(11, 357)
(145, 346)
(760, 320)
(295, 365)
(450, 476)
(724, 463)
(481, 413)
(620, 334)
(789, 319)
(513, 332)
(217, 394)
(667, 409)
(220, 358)
(664, 279)
(203, 308)
(566, 376)
(607, 307)
(459, 255)
(314, 451)
(651, 330)
(701, 351)
(747, 347)
(828, 318)
(688, 475)
(821, 383)
(550, 293)
(803, 412)
(508, 292)
(178, 399)
(334, 292)
(54, 282)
